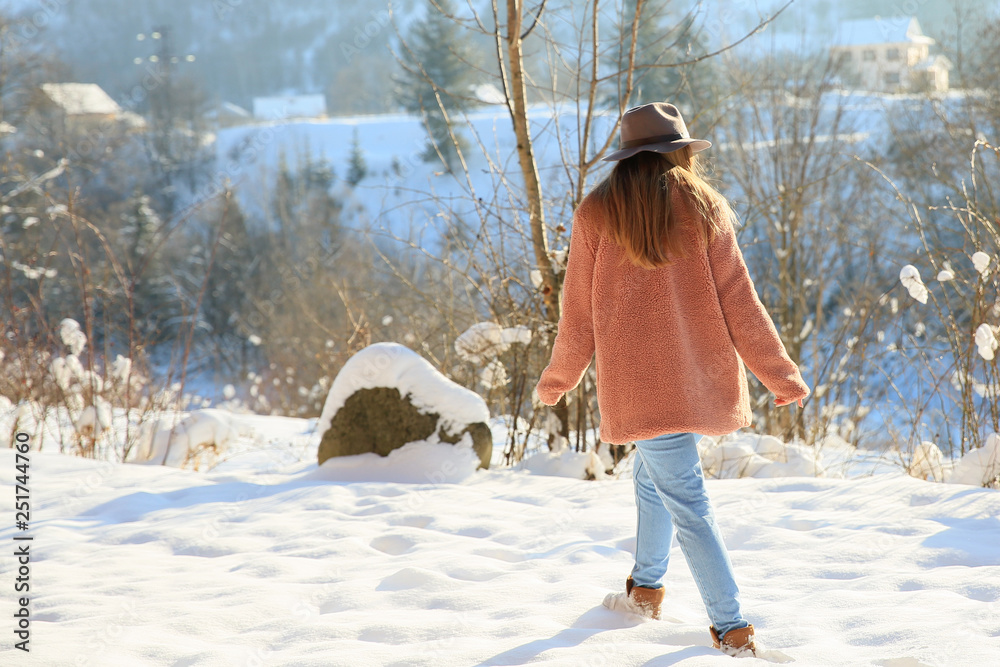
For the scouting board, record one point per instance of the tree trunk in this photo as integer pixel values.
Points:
(532, 184)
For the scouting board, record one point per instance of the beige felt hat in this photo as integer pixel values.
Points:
(656, 127)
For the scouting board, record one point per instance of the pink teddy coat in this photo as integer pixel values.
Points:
(670, 342)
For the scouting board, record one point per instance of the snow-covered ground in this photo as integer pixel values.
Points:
(267, 560)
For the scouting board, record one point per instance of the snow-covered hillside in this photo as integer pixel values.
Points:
(268, 561)
(399, 190)
(397, 194)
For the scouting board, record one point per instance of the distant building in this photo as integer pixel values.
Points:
(289, 106)
(85, 106)
(889, 55)
(228, 114)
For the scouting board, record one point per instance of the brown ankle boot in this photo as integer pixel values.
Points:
(735, 641)
(648, 600)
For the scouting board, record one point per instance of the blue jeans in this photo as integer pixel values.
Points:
(669, 491)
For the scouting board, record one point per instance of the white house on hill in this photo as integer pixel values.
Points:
(890, 55)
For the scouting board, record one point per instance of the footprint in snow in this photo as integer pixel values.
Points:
(803, 525)
(413, 521)
(394, 545)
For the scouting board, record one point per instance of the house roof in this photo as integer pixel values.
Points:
(228, 108)
(78, 99)
(881, 30)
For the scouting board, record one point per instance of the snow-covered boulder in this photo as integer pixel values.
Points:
(750, 455)
(387, 395)
(487, 340)
(981, 466)
(201, 436)
(732, 459)
(94, 419)
(567, 463)
(927, 462)
(793, 460)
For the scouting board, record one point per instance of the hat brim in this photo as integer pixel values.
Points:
(663, 147)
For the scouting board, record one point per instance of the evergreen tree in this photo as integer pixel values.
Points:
(139, 225)
(436, 64)
(304, 207)
(358, 168)
(154, 298)
(229, 302)
(661, 39)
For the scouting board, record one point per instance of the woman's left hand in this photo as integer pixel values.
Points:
(781, 401)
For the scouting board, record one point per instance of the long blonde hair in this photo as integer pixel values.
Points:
(636, 199)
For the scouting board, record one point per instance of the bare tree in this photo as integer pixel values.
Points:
(810, 236)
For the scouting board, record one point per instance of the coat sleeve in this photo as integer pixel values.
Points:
(574, 345)
(750, 327)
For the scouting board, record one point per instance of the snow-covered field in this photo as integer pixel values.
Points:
(267, 560)
(394, 194)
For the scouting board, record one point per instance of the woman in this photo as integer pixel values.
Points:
(656, 285)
